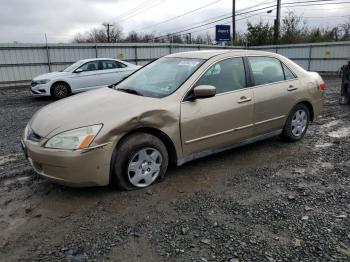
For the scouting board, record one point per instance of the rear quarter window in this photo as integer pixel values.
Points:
(288, 73)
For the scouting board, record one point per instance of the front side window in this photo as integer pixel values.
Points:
(266, 70)
(162, 77)
(72, 67)
(89, 66)
(226, 75)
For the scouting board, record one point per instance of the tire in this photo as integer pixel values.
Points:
(139, 161)
(60, 90)
(297, 123)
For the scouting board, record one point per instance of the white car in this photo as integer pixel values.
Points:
(81, 76)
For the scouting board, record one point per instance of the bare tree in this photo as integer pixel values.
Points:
(345, 31)
(100, 35)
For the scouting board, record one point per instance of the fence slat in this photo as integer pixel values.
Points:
(21, 62)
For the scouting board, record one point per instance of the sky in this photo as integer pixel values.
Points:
(27, 21)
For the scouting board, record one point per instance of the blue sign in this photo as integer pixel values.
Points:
(222, 33)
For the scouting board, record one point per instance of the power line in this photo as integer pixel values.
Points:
(197, 9)
(143, 10)
(176, 17)
(211, 27)
(218, 20)
(227, 23)
(292, 4)
(224, 16)
(132, 10)
(314, 17)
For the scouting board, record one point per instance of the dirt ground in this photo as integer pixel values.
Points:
(268, 201)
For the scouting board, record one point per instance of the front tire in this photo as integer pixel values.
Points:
(297, 123)
(60, 90)
(138, 162)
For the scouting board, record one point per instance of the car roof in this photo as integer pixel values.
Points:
(97, 59)
(206, 54)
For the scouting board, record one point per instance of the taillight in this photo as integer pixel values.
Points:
(322, 86)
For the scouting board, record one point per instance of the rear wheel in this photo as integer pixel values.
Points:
(60, 90)
(297, 123)
(138, 162)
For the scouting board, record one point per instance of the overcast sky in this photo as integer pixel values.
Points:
(27, 21)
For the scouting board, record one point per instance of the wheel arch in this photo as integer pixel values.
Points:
(310, 107)
(169, 144)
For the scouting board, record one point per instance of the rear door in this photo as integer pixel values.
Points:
(222, 120)
(112, 72)
(275, 93)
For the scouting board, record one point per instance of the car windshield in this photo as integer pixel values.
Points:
(73, 66)
(160, 78)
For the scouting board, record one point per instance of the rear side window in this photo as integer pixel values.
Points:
(111, 64)
(288, 73)
(266, 70)
(226, 75)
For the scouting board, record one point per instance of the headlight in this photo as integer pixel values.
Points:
(74, 139)
(44, 81)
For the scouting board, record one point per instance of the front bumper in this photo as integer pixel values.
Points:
(78, 168)
(41, 90)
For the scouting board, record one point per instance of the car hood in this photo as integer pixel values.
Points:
(116, 110)
(51, 75)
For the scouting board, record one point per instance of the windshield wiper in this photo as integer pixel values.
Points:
(130, 91)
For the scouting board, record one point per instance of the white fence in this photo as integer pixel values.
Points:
(19, 63)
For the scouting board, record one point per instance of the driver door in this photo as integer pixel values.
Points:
(87, 78)
(222, 120)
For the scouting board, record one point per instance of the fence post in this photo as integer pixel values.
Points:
(170, 49)
(136, 58)
(48, 56)
(276, 49)
(310, 57)
(199, 47)
(96, 51)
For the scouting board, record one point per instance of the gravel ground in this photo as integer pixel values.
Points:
(269, 201)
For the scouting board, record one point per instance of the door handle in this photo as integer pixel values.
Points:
(244, 99)
(292, 88)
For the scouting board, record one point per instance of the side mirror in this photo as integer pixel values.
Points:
(79, 70)
(204, 91)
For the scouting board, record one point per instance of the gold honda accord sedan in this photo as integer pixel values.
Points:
(178, 108)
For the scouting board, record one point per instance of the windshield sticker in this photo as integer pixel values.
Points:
(188, 63)
(167, 88)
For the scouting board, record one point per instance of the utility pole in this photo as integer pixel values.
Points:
(189, 38)
(107, 25)
(277, 21)
(233, 21)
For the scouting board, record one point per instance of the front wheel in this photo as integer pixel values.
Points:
(138, 162)
(297, 123)
(60, 90)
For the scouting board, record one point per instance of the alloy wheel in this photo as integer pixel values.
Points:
(60, 91)
(299, 122)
